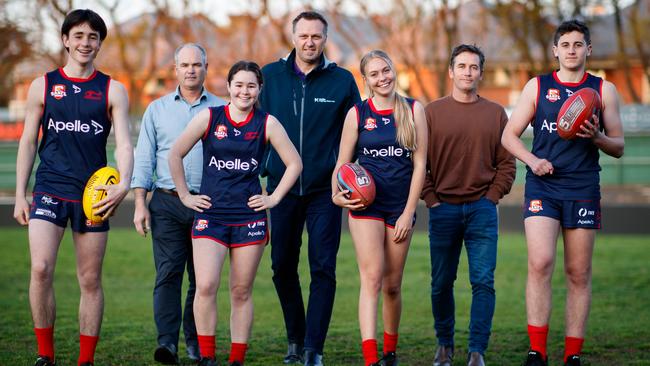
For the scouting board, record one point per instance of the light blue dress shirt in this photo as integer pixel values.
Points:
(162, 123)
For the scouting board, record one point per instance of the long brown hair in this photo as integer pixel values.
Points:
(404, 122)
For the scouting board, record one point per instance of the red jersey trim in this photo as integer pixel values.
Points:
(600, 91)
(539, 90)
(266, 121)
(242, 123)
(77, 80)
(44, 95)
(108, 90)
(356, 110)
(207, 129)
(384, 112)
(57, 197)
(584, 78)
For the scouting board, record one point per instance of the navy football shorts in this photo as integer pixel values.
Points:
(59, 210)
(584, 214)
(370, 213)
(233, 233)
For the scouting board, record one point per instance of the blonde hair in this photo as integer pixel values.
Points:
(404, 122)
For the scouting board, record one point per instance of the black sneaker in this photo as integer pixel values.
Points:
(44, 361)
(573, 360)
(205, 361)
(535, 359)
(294, 355)
(389, 359)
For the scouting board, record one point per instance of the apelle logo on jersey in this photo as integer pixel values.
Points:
(387, 151)
(236, 164)
(74, 126)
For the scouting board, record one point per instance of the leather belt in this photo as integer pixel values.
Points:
(171, 192)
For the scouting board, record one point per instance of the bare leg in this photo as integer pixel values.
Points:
(90, 248)
(541, 238)
(208, 262)
(244, 262)
(395, 259)
(578, 251)
(44, 241)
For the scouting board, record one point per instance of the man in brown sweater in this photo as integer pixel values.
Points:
(468, 172)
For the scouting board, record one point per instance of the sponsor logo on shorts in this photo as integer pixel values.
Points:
(256, 233)
(45, 212)
(583, 212)
(58, 91)
(201, 224)
(47, 200)
(93, 95)
(91, 223)
(553, 95)
(221, 132)
(586, 222)
(253, 225)
(535, 206)
(370, 124)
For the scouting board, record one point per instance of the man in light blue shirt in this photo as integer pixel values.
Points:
(169, 221)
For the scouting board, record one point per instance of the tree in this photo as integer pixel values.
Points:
(14, 48)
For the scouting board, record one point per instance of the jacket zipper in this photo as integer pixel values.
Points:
(302, 113)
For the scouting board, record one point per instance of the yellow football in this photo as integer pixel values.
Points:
(104, 176)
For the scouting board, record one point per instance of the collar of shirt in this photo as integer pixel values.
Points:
(178, 96)
(298, 72)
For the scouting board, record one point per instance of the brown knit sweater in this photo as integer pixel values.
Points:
(465, 159)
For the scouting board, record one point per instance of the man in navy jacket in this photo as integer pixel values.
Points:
(310, 96)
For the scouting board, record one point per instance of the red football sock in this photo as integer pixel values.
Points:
(238, 352)
(390, 342)
(207, 345)
(538, 336)
(369, 351)
(572, 346)
(45, 341)
(87, 345)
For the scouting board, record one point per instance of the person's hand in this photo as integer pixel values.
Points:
(197, 202)
(142, 219)
(340, 200)
(590, 129)
(115, 193)
(21, 211)
(403, 227)
(541, 167)
(260, 202)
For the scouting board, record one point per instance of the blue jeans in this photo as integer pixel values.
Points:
(476, 224)
(323, 221)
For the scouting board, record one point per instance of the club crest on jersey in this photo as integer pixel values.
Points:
(221, 132)
(553, 95)
(201, 224)
(535, 206)
(58, 91)
(371, 124)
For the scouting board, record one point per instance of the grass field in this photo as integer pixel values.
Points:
(618, 333)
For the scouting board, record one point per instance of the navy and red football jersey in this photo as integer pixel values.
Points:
(75, 126)
(389, 163)
(232, 153)
(575, 162)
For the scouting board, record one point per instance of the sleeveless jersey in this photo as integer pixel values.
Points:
(388, 162)
(232, 152)
(575, 162)
(75, 126)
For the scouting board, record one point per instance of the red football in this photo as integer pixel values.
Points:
(354, 178)
(575, 110)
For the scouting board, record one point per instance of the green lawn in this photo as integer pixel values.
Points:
(618, 334)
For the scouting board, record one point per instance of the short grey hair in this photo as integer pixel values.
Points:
(204, 56)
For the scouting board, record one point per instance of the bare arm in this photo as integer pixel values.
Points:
(280, 141)
(611, 142)
(118, 105)
(27, 148)
(346, 153)
(522, 115)
(192, 133)
(405, 221)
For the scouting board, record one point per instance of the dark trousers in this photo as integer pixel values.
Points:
(475, 223)
(171, 228)
(323, 220)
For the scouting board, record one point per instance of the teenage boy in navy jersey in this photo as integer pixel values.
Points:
(562, 187)
(75, 107)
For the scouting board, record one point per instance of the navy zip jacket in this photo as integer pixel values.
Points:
(312, 112)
